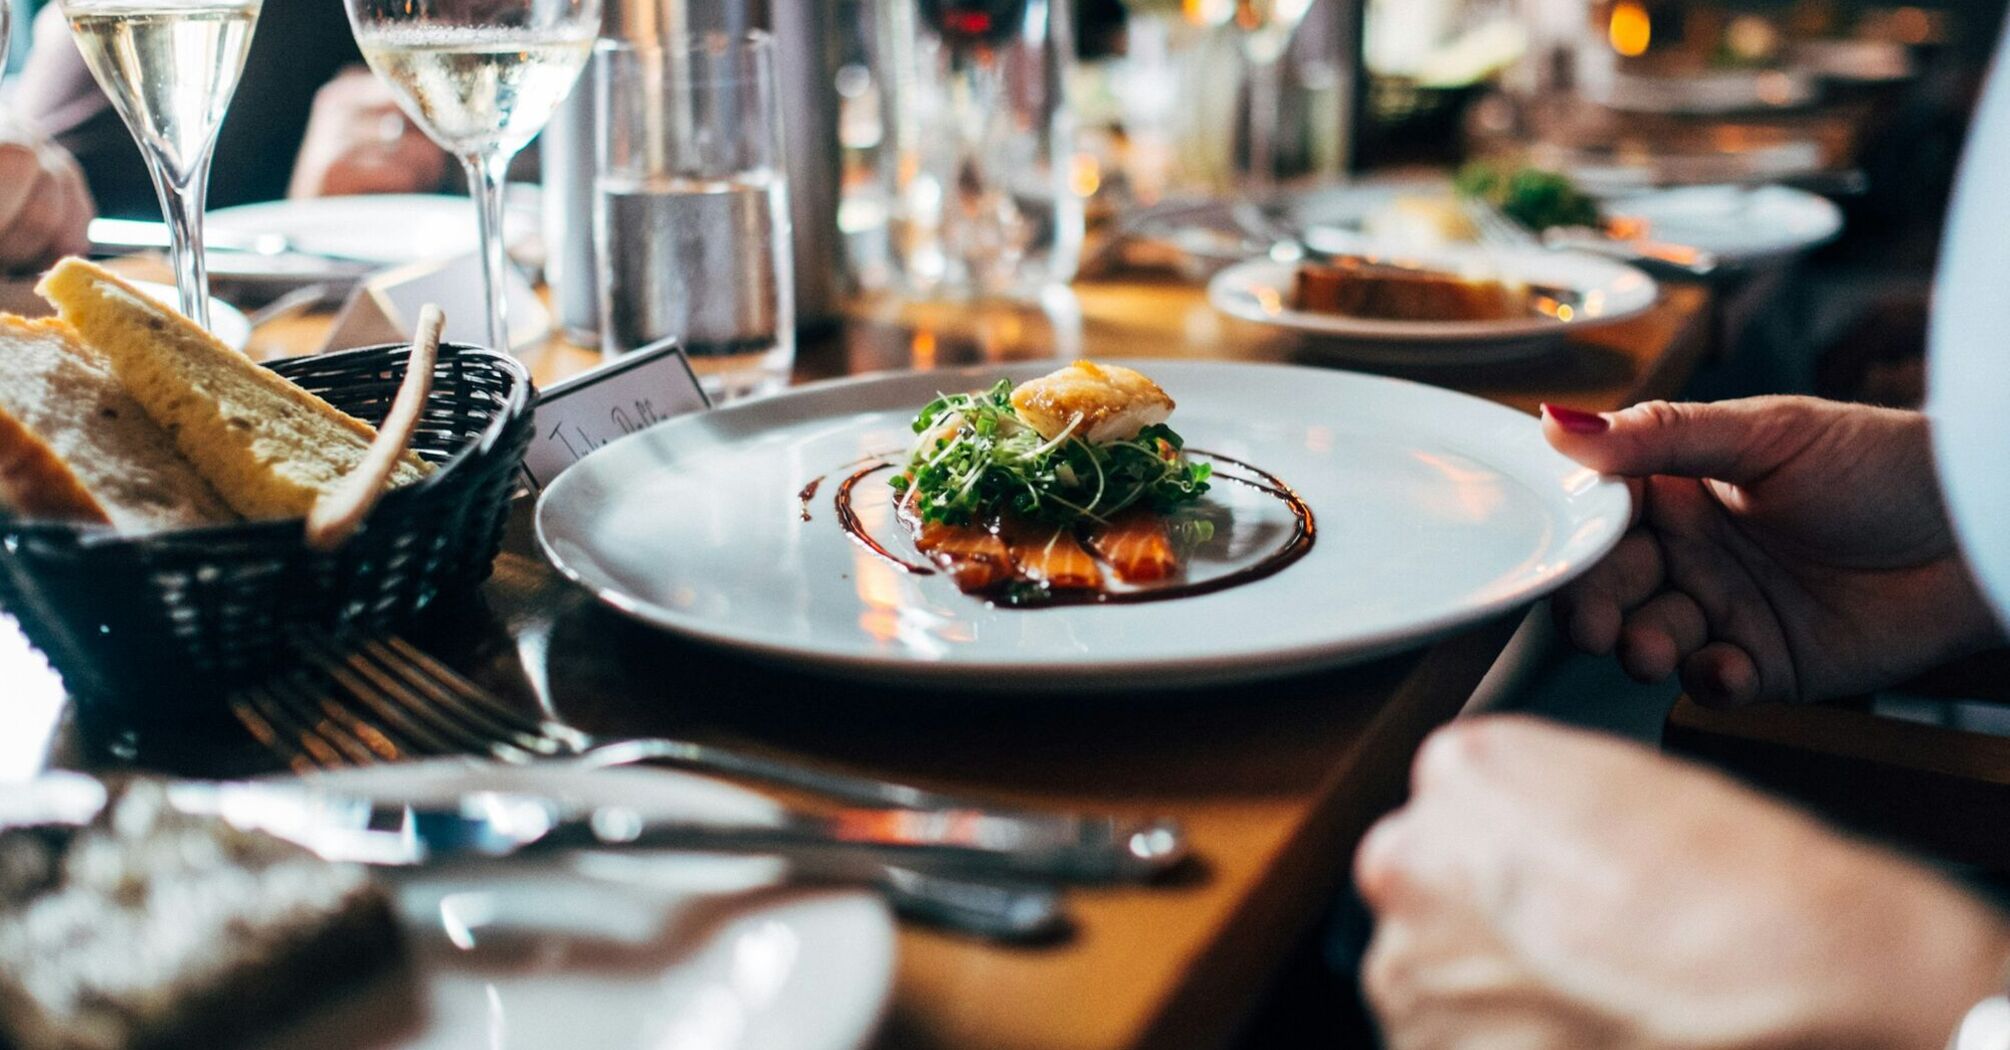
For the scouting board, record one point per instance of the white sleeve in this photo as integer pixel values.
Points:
(1968, 391)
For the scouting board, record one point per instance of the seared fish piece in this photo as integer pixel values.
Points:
(1112, 402)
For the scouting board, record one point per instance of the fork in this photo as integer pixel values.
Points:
(1498, 230)
(434, 709)
(421, 706)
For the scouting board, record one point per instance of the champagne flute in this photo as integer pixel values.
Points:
(170, 67)
(1267, 27)
(481, 77)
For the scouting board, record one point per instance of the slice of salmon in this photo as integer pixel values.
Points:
(1137, 547)
(971, 555)
(1050, 556)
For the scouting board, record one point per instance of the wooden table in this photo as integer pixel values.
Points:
(1275, 781)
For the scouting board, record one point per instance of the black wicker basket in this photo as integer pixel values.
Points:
(158, 624)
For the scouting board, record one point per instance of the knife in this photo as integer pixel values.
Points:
(119, 236)
(489, 826)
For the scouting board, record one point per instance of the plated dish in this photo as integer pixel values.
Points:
(1432, 509)
(1596, 291)
(1067, 489)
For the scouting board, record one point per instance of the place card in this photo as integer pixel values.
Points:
(384, 308)
(634, 391)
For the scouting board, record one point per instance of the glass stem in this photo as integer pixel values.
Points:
(1264, 92)
(485, 180)
(182, 205)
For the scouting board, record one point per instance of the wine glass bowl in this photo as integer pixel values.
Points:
(481, 78)
(1266, 29)
(170, 68)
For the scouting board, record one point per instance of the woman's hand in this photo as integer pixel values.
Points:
(359, 141)
(1785, 548)
(1549, 888)
(45, 205)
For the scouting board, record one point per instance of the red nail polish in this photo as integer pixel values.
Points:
(1577, 422)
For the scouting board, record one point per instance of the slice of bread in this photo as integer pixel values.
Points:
(74, 445)
(268, 447)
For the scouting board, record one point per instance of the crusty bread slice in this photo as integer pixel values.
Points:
(35, 483)
(268, 447)
(74, 445)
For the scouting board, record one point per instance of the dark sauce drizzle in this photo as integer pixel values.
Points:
(809, 491)
(1304, 532)
(847, 518)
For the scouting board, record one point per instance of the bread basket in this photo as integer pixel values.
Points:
(157, 625)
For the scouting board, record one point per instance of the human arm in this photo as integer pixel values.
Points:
(1784, 548)
(1546, 887)
(45, 207)
(359, 141)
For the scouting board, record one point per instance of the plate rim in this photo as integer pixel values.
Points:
(1832, 219)
(998, 675)
(1418, 334)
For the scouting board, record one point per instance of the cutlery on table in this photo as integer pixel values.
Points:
(1498, 230)
(496, 825)
(412, 705)
(298, 301)
(119, 236)
(358, 829)
(403, 702)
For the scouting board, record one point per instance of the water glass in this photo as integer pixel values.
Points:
(978, 151)
(691, 212)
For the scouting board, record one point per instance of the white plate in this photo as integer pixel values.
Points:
(614, 950)
(1261, 290)
(1433, 510)
(1736, 223)
(226, 322)
(392, 229)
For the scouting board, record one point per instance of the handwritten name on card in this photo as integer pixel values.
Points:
(593, 408)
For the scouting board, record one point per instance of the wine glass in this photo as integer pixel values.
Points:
(1267, 27)
(481, 77)
(170, 67)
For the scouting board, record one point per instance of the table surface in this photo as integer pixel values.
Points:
(1274, 781)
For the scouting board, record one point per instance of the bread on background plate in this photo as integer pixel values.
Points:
(75, 446)
(269, 447)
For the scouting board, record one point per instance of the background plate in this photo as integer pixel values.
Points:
(1261, 291)
(1434, 510)
(612, 950)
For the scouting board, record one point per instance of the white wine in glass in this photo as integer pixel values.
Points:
(479, 90)
(170, 67)
(481, 77)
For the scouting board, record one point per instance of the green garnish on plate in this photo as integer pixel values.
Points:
(975, 459)
(1533, 197)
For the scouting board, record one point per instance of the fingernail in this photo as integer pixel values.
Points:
(1577, 422)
